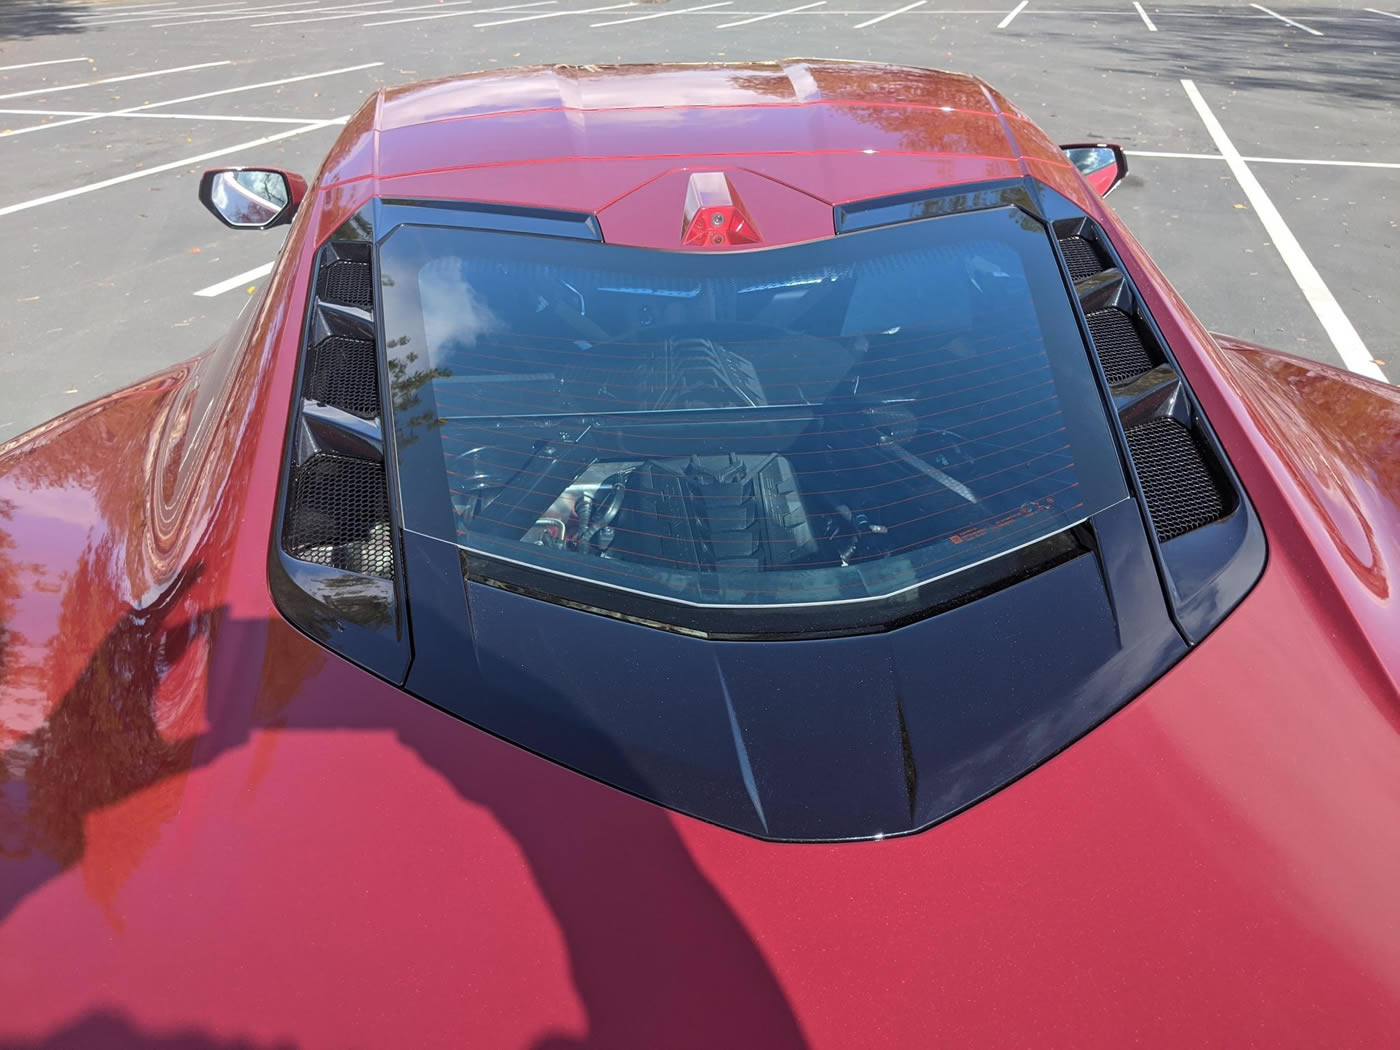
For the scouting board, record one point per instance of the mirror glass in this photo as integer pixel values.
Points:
(250, 198)
(1102, 165)
(1091, 159)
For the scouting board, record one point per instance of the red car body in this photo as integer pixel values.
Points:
(216, 833)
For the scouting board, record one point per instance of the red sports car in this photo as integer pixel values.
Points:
(702, 557)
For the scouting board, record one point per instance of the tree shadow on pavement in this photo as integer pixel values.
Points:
(1354, 63)
(20, 19)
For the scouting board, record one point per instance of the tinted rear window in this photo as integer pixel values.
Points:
(827, 422)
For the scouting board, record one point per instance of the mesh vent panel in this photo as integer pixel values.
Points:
(1121, 350)
(346, 282)
(1081, 257)
(338, 515)
(341, 371)
(1181, 494)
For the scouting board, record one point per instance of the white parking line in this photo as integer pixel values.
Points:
(118, 12)
(199, 97)
(1344, 337)
(1295, 25)
(131, 7)
(112, 80)
(245, 13)
(155, 16)
(50, 62)
(889, 14)
(1383, 164)
(771, 14)
(233, 282)
(1376, 11)
(1146, 21)
(361, 14)
(184, 162)
(660, 14)
(1011, 15)
(137, 7)
(454, 14)
(235, 117)
(548, 14)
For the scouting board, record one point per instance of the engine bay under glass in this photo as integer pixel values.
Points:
(829, 422)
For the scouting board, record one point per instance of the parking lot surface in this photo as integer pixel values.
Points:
(1263, 141)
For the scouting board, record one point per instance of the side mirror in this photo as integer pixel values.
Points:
(1103, 164)
(251, 198)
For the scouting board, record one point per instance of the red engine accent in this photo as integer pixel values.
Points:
(714, 214)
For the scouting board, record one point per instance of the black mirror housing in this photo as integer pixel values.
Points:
(251, 198)
(1103, 164)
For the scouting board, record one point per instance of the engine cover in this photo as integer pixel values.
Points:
(710, 512)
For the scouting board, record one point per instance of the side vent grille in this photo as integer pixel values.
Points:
(346, 282)
(337, 511)
(1121, 350)
(1081, 257)
(338, 515)
(341, 371)
(1181, 492)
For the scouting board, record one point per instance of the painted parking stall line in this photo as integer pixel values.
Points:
(1384, 165)
(156, 16)
(1339, 329)
(772, 14)
(236, 281)
(173, 165)
(1281, 18)
(294, 7)
(199, 97)
(550, 14)
(1011, 15)
(112, 80)
(459, 14)
(50, 62)
(661, 14)
(237, 118)
(1377, 11)
(361, 14)
(889, 14)
(1145, 20)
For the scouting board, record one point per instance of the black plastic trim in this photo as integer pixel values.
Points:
(731, 623)
(362, 617)
(926, 204)
(390, 213)
(1209, 570)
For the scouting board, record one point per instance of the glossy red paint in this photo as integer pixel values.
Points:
(584, 139)
(215, 833)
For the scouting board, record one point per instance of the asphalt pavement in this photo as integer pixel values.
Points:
(1263, 141)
